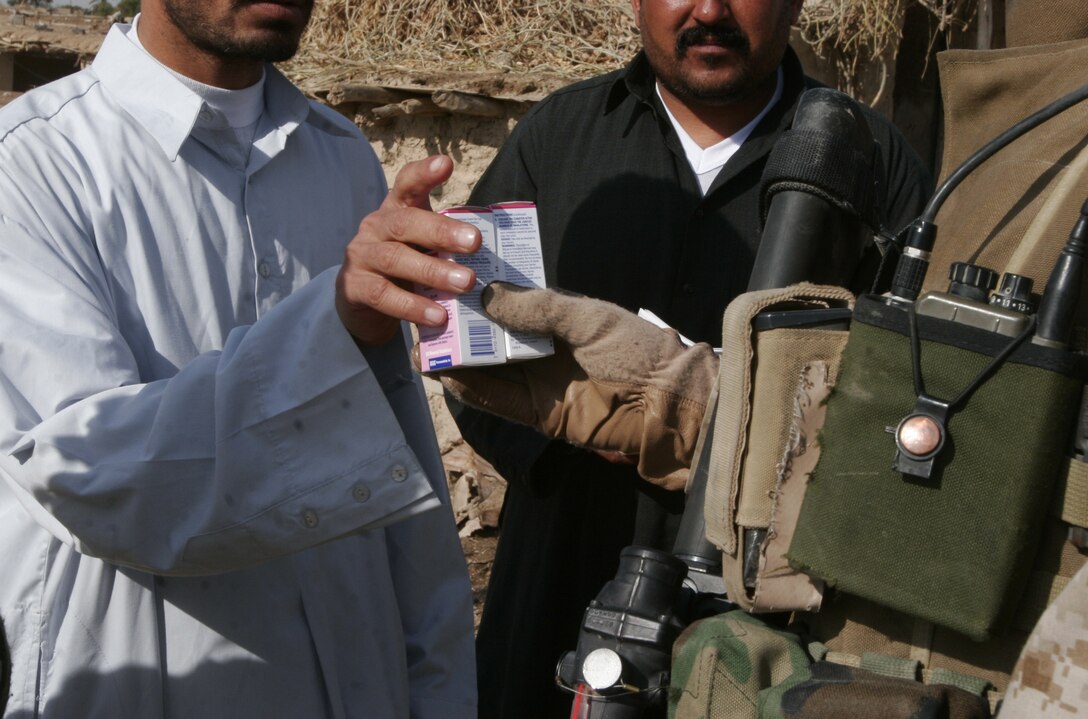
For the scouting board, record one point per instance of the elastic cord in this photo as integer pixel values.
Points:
(916, 360)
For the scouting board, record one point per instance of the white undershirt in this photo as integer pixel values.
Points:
(242, 109)
(707, 162)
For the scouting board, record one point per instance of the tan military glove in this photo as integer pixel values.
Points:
(616, 382)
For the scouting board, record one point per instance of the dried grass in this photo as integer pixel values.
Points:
(868, 27)
(852, 33)
(571, 38)
(851, 27)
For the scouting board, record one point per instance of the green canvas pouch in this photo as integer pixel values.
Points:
(954, 548)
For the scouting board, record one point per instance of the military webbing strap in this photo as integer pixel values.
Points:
(888, 666)
(1042, 589)
(1072, 494)
(902, 668)
(921, 641)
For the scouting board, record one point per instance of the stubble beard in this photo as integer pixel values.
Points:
(277, 43)
(721, 93)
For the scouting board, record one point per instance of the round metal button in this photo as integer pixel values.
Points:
(264, 270)
(602, 668)
(309, 518)
(919, 435)
(360, 492)
(399, 473)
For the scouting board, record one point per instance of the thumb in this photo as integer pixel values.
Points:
(574, 318)
(413, 184)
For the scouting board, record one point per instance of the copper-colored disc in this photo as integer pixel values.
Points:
(919, 435)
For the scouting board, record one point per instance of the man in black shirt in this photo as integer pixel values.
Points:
(647, 184)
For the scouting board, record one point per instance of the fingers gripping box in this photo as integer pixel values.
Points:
(510, 252)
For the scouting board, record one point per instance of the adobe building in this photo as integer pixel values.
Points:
(38, 46)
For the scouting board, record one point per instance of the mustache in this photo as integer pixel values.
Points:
(728, 37)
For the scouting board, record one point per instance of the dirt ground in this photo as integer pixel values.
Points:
(476, 495)
(479, 553)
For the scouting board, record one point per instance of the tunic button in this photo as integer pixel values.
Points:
(309, 518)
(264, 269)
(360, 492)
(688, 288)
(399, 473)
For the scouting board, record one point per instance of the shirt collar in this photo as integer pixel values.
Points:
(167, 109)
(636, 80)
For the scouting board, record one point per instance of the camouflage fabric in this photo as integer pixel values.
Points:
(734, 666)
(720, 665)
(834, 691)
(1051, 677)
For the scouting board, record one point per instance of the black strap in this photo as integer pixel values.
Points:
(997, 361)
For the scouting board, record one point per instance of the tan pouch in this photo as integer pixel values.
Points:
(769, 409)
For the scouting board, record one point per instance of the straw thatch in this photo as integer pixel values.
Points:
(868, 27)
(852, 33)
(568, 38)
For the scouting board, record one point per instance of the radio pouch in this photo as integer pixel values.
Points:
(953, 548)
(780, 357)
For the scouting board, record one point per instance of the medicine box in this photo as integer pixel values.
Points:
(510, 252)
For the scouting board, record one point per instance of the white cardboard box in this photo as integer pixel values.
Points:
(510, 252)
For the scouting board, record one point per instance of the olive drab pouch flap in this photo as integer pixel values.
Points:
(779, 360)
(950, 538)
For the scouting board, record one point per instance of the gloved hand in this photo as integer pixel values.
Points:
(615, 383)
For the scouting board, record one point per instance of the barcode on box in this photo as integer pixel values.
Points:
(481, 338)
